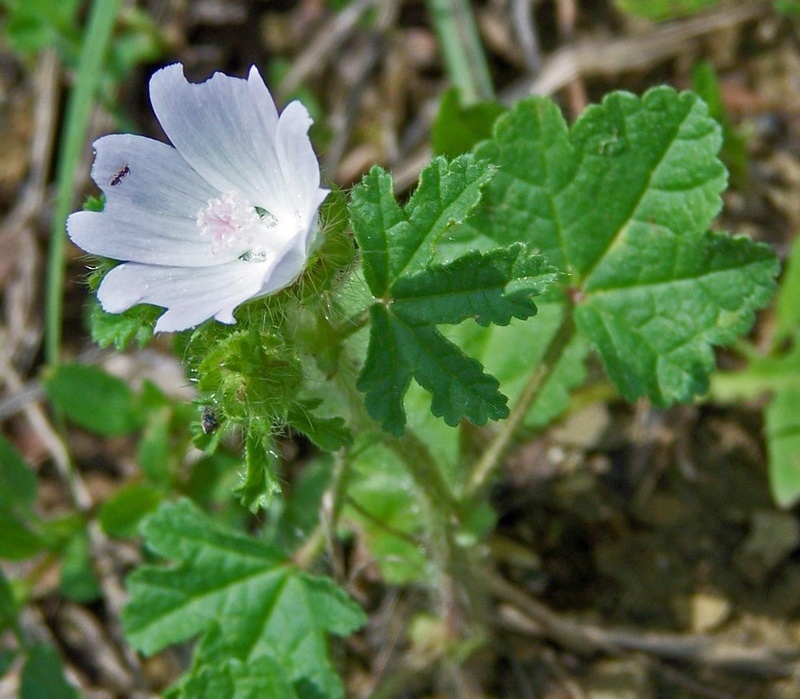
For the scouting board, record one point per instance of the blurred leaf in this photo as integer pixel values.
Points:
(456, 129)
(43, 676)
(18, 540)
(734, 147)
(8, 607)
(121, 514)
(7, 658)
(78, 579)
(293, 515)
(657, 10)
(230, 678)
(783, 446)
(790, 8)
(154, 450)
(93, 399)
(17, 479)
(787, 307)
(33, 25)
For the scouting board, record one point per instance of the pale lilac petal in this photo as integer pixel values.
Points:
(190, 295)
(151, 207)
(225, 129)
(298, 158)
(287, 268)
(186, 221)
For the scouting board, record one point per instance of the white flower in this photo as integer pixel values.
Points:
(227, 214)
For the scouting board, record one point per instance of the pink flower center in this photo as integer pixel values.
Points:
(229, 222)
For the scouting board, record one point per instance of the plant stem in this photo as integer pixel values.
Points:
(461, 45)
(497, 448)
(423, 468)
(97, 36)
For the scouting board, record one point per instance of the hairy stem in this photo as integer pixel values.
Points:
(490, 460)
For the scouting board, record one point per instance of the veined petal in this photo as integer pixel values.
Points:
(225, 129)
(190, 295)
(285, 269)
(298, 158)
(153, 198)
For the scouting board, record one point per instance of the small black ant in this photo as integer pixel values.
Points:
(121, 175)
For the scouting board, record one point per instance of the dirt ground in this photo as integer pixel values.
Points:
(638, 552)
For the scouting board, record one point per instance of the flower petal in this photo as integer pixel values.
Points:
(152, 201)
(298, 157)
(286, 269)
(190, 295)
(225, 128)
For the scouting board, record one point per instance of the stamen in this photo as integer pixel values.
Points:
(229, 222)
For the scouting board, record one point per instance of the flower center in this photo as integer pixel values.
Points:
(230, 222)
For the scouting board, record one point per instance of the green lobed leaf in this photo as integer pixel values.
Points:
(233, 679)
(121, 329)
(395, 240)
(415, 293)
(93, 399)
(489, 288)
(622, 202)
(269, 607)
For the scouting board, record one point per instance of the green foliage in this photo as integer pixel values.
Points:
(34, 25)
(734, 147)
(790, 8)
(121, 514)
(234, 679)
(93, 399)
(622, 202)
(787, 309)
(457, 129)
(328, 433)
(269, 608)
(657, 10)
(19, 535)
(8, 607)
(43, 676)
(122, 329)
(78, 580)
(775, 372)
(259, 483)
(250, 373)
(783, 444)
(529, 340)
(414, 292)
